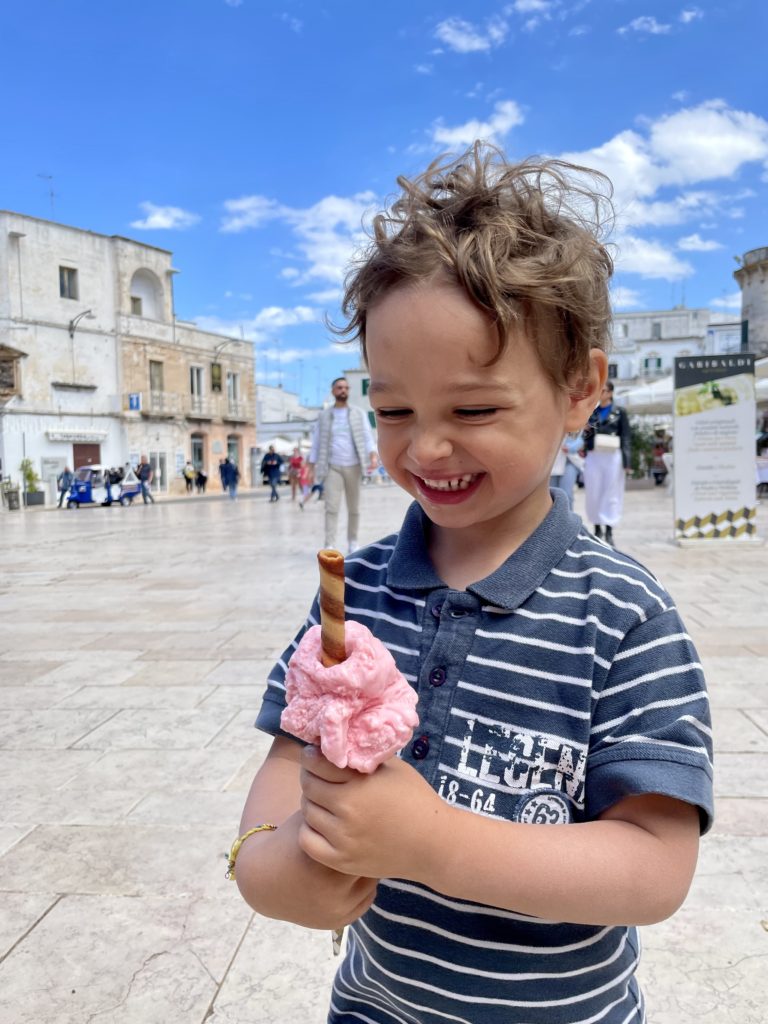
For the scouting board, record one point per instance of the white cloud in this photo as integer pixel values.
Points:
(690, 14)
(645, 25)
(249, 212)
(288, 273)
(424, 69)
(529, 6)
(704, 143)
(625, 298)
(293, 23)
(464, 37)
(326, 234)
(580, 30)
(262, 327)
(233, 3)
(695, 243)
(171, 218)
(506, 115)
(732, 301)
(681, 95)
(649, 259)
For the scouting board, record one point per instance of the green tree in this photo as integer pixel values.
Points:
(642, 439)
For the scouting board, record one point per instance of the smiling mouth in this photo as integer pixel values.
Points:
(456, 483)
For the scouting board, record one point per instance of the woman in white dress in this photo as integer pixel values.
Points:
(607, 444)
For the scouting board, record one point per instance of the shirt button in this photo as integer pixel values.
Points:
(437, 676)
(437, 609)
(420, 748)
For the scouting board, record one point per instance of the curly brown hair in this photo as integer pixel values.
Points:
(522, 239)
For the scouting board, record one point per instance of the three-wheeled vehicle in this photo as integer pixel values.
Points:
(99, 485)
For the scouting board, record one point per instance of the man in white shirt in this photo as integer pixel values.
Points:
(342, 445)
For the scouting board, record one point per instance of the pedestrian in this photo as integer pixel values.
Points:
(553, 795)
(567, 465)
(342, 448)
(272, 469)
(230, 477)
(201, 479)
(304, 484)
(145, 474)
(64, 481)
(189, 477)
(607, 444)
(295, 464)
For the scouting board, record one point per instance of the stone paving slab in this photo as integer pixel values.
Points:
(127, 696)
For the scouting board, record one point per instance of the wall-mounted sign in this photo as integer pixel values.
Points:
(134, 401)
(714, 447)
(215, 376)
(77, 436)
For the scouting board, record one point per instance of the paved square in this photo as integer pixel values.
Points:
(134, 647)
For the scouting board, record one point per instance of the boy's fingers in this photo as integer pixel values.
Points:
(313, 761)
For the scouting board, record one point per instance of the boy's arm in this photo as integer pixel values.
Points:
(632, 866)
(273, 874)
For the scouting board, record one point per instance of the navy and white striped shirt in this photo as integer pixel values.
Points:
(548, 691)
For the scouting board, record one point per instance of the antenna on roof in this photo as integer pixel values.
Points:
(51, 193)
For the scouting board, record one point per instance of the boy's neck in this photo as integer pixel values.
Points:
(465, 556)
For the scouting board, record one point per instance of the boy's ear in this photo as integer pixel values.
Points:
(584, 394)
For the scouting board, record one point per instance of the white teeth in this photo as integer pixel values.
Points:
(458, 483)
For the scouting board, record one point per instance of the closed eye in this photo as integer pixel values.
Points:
(391, 414)
(476, 413)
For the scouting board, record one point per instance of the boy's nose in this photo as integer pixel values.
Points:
(427, 447)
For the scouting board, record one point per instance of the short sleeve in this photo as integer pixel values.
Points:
(651, 729)
(268, 719)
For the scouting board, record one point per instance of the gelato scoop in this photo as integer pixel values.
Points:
(360, 711)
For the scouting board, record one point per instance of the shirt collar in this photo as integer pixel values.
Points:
(410, 567)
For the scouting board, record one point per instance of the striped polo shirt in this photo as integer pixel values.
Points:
(548, 691)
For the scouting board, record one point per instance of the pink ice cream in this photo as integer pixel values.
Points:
(361, 711)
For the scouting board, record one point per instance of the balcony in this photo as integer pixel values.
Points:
(171, 405)
(200, 407)
(234, 411)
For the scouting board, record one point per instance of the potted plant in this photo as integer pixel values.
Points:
(33, 495)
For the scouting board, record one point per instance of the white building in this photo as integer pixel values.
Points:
(645, 344)
(95, 368)
(280, 413)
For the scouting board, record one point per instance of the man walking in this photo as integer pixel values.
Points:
(342, 445)
(64, 481)
(145, 474)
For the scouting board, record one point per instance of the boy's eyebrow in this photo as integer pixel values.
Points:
(382, 387)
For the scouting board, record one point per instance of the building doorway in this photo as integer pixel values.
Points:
(86, 455)
(157, 461)
(198, 451)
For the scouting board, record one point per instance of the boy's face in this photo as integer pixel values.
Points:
(474, 444)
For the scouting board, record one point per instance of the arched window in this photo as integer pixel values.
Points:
(146, 295)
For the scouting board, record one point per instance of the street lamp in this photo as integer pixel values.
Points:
(87, 315)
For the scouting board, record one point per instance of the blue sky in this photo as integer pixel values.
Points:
(252, 137)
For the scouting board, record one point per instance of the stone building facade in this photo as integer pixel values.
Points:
(95, 368)
(752, 278)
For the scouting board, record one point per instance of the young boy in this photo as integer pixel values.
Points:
(554, 793)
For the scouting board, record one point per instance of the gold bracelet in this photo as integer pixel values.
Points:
(230, 875)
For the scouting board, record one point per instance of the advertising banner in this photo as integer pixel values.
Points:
(714, 447)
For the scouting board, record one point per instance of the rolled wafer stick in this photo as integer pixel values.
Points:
(331, 564)
(333, 650)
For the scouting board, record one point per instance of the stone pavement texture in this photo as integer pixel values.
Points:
(134, 646)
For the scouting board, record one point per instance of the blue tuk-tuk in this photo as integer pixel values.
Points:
(99, 485)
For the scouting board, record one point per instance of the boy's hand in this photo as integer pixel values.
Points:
(371, 825)
(283, 882)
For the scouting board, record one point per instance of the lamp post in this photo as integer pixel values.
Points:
(85, 315)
